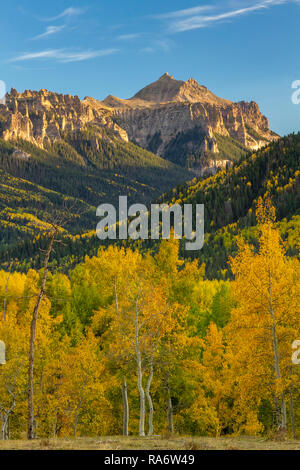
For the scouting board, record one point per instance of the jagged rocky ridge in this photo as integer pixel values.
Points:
(181, 121)
(170, 112)
(41, 117)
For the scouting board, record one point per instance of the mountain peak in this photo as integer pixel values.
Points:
(161, 91)
(192, 81)
(168, 89)
(166, 76)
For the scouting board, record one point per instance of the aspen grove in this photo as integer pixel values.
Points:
(142, 343)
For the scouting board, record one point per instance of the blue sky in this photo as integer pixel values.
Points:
(240, 49)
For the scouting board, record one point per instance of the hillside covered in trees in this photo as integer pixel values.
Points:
(79, 172)
(128, 344)
(136, 338)
(229, 197)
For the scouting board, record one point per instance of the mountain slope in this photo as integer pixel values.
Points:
(230, 200)
(82, 170)
(57, 150)
(187, 124)
(270, 172)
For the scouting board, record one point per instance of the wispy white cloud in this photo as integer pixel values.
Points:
(36, 55)
(185, 12)
(128, 37)
(85, 55)
(157, 45)
(63, 55)
(67, 13)
(189, 19)
(50, 31)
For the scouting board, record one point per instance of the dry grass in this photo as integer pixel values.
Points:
(153, 443)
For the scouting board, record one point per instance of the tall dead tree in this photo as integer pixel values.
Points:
(65, 215)
(30, 430)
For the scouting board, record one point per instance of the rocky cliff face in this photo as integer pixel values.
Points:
(171, 112)
(180, 121)
(41, 117)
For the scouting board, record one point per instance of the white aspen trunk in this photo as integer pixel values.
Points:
(139, 374)
(7, 429)
(5, 415)
(149, 399)
(75, 426)
(124, 385)
(277, 412)
(30, 429)
(125, 408)
(116, 297)
(169, 409)
(3, 428)
(78, 411)
(281, 399)
(76, 421)
(55, 425)
(292, 414)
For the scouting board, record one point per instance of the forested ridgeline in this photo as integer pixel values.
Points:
(145, 344)
(229, 198)
(81, 171)
(231, 194)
